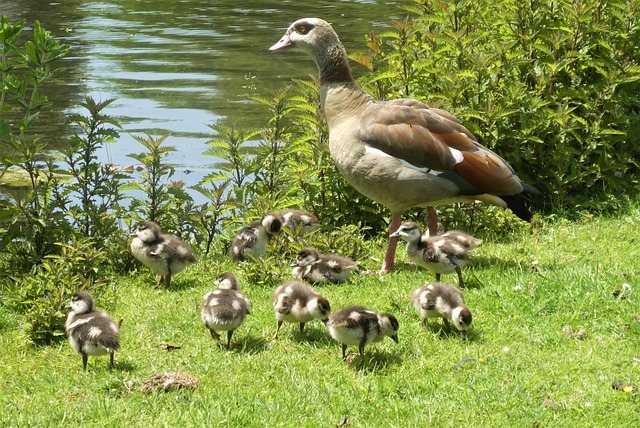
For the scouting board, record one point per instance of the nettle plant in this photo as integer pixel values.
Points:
(286, 164)
(91, 200)
(29, 217)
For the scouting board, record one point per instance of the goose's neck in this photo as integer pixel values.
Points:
(412, 247)
(334, 66)
(340, 96)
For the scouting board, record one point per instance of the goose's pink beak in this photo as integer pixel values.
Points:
(284, 43)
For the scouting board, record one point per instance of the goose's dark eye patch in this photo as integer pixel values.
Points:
(303, 28)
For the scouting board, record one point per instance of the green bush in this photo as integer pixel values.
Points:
(42, 295)
(551, 86)
(92, 199)
(29, 215)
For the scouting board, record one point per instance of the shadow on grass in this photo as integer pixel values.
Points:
(101, 365)
(247, 345)
(180, 285)
(124, 366)
(177, 284)
(484, 263)
(316, 336)
(313, 338)
(376, 361)
(448, 333)
(471, 280)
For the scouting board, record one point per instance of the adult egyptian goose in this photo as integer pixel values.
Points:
(446, 253)
(90, 332)
(400, 153)
(251, 241)
(296, 302)
(225, 308)
(440, 300)
(318, 268)
(358, 326)
(165, 255)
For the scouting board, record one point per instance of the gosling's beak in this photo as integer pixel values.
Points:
(463, 334)
(394, 234)
(395, 338)
(284, 43)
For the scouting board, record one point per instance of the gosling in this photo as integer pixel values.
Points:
(251, 241)
(440, 300)
(165, 255)
(440, 254)
(318, 268)
(297, 221)
(468, 241)
(225, 308)
(90, 332)
(358, 326)
(297, 302)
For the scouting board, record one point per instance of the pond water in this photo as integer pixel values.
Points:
(176, 66)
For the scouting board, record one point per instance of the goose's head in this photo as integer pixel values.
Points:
(81, 303)
(306, 34)
(271, 223)
(409, 232)
(314, 37)
(307, 256)
(462, 318)
(320, 308)
(389, 325)
(228, 281)
(148, 231)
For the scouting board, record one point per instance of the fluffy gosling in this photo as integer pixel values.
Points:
(90, 332)
(440, 300)
(251, 241)
(446, 253)
(225, 308)
(165, 255)
(318, 268)
(296, 302)
(358, 326)
(297, 221)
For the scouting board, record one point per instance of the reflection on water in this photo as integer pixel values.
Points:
(176, 66)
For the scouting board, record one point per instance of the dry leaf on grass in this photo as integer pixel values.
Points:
(344, 422)
(168, 382)
(579, 335)
(550, 404)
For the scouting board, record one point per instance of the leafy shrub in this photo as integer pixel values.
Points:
(41, 295)
(347, 240)
(29, 216)
(551, 86)
(153, 179)
(91, 200)
(269, 271)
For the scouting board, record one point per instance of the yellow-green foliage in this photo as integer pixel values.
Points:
(551, 86)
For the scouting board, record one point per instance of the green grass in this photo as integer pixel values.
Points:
(519, 367)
